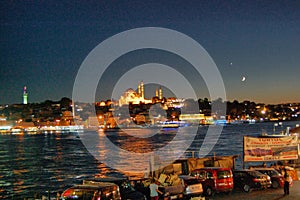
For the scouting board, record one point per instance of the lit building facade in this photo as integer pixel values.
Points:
(133, 97)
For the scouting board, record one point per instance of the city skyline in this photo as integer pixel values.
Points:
(255, 44)
(150, 92)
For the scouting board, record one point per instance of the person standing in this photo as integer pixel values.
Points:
(58, 196)
(96, 195)
(154, 190)
(286, 187)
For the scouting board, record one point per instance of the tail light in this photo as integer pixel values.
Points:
(256, 180)
(281, 180)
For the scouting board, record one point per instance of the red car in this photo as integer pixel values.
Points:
(276, 178)
(248, 180)
(214, 179)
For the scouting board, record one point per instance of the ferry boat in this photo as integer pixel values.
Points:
(169, 124)
(5, 129)
(161, 125)
(71, 128)
(17, 130)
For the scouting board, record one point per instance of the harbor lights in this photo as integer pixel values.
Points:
(276, 125)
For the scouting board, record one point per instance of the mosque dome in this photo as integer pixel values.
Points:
(130, 93)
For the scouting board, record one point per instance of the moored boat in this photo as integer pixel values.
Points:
(17, 130)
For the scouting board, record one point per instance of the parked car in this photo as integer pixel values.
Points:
(192, 186)
(269, 181)
(214, 179)
(172, 192)
(276, 178)
(127, 190)
(102, 190)
(169, 191)
(248, 180)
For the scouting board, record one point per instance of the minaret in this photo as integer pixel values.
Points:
(25, 95)
(160, 93)
(142, 89)
(156, 92)
(139, 89)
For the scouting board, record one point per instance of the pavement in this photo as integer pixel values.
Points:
(267, 194)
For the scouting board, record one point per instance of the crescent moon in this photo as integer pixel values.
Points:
(243, 78)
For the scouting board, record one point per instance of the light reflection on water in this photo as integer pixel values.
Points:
(32, 164)
(120, 150)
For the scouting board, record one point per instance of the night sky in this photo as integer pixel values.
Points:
(43, 43)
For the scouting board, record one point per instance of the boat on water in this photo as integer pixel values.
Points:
(32, 130)
(158, 126)
(288, 132)
(17, 130)
(71, 128)
(169, 124)
(5, 129)
(221, 122)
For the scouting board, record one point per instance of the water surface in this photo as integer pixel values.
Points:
(31, 164)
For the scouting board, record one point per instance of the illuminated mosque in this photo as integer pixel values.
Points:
(131, 96)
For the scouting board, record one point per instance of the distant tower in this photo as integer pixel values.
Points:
(25, 95)
(160, 93)
(139, 89)
(142, 90)
(156, 92)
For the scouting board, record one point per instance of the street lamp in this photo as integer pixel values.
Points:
(274, 127)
